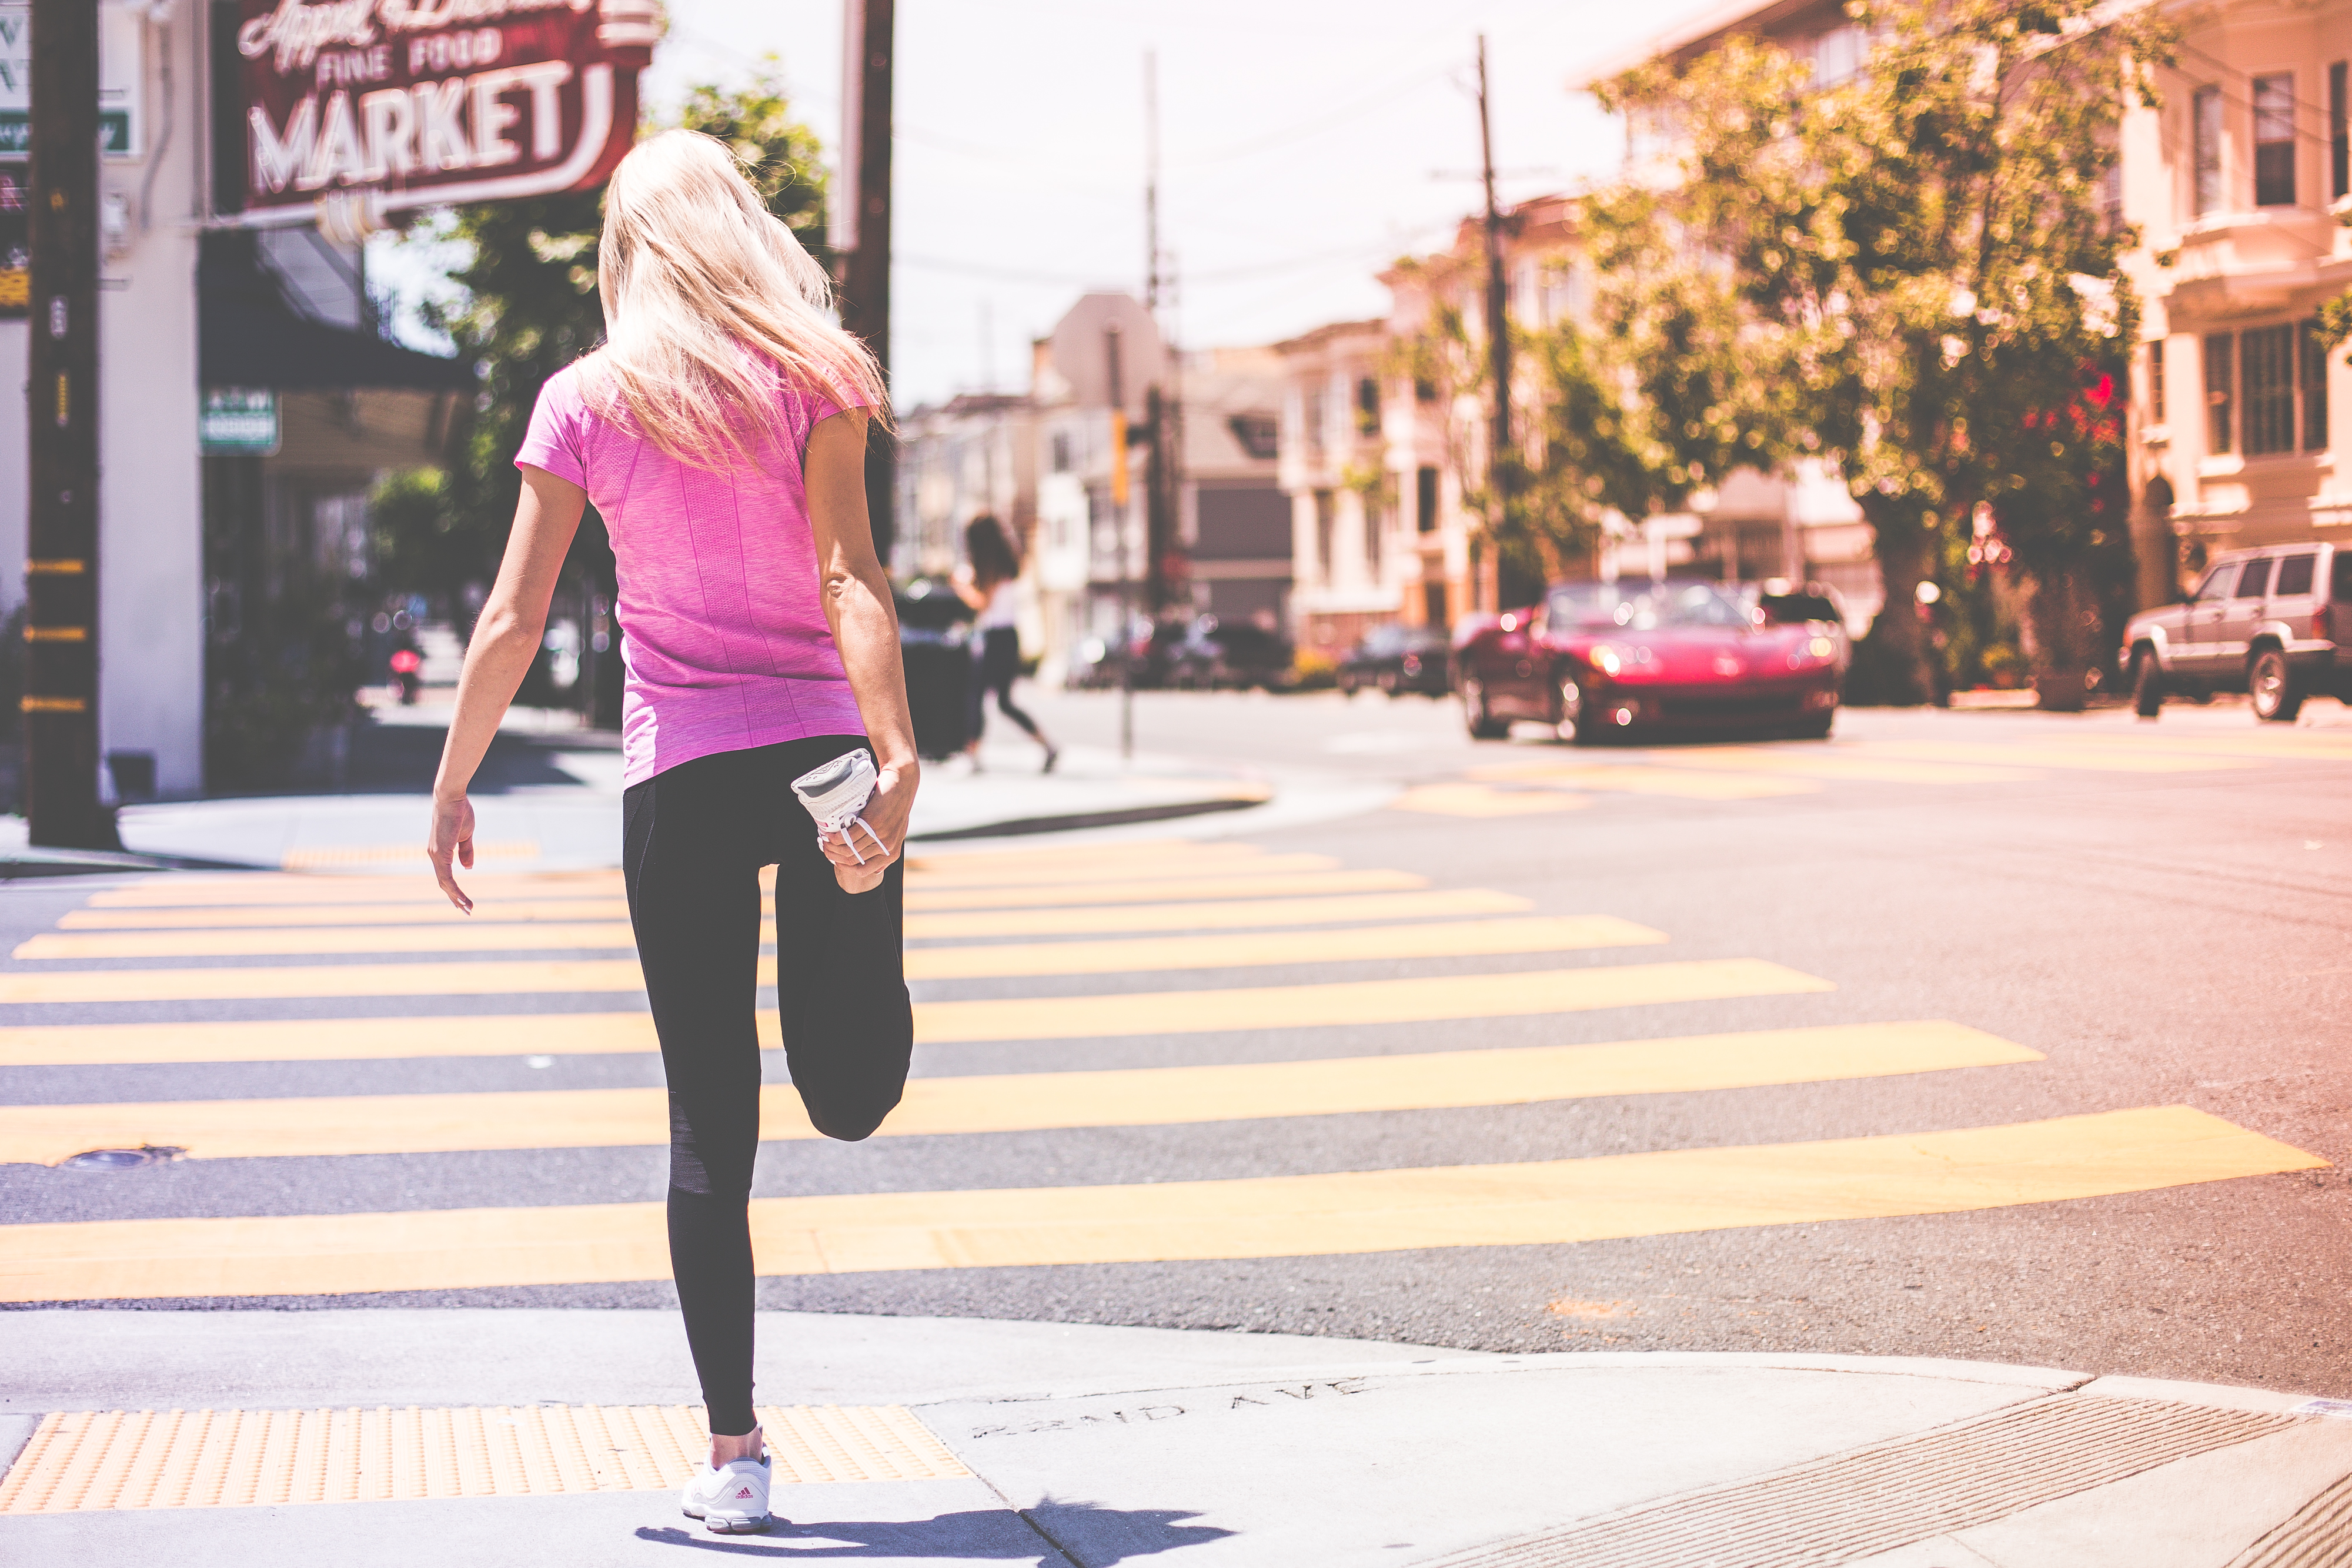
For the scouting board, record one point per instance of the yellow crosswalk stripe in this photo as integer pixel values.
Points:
(557, 911)
(270, 887)
(339, 1040)
(1417, 1001)
(2302, 745)
(1642, 779)
(2066, 755)
(1837, 762)
(1533, 934)
(1543, 1203)
(1158, 889)
(1027, 1101)
(1237, 915)
(454, 934)
(943, 872)
(243, 984)
(1485, 800)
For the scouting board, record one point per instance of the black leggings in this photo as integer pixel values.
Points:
(995, 670)
(694, 838)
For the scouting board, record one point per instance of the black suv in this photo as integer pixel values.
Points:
(2274, 622)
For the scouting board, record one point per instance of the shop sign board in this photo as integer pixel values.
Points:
(397, 104)
(120, 66)
(239, 422)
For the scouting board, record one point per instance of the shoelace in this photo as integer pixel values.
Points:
(842, 824)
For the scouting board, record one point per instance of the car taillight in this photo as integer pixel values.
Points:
(2322, 627)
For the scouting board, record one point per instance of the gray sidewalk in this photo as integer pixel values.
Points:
(1097, 1446)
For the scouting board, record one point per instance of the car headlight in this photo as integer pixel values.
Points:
(1606, 659)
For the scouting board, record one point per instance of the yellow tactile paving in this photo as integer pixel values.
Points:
(1163, 889)
(1545, 1203)
(1356, 1002)
(1168, 1096)
(84, 1461)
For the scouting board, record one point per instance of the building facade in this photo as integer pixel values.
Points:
(2238, 183)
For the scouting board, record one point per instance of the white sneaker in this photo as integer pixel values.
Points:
(731, 1500)
(837, 792)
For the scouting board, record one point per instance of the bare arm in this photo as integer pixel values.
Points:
(865, 620)
(506, 640)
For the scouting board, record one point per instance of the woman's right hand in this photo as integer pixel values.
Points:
(451, 838)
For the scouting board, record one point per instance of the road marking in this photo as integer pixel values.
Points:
(994, 872)
(1159, 889)
(339, 1039)
(1356, 1002)
(1837, 763)
(1421, 1001)
(234, 917)
(270, 887)
(1550, 1203)
(394, 855)
(1533, 934)
(2298, 744)
(1238, 914)
(1026, 1102)
(85, 1461)
(1643, 778)
(454, 934)
(1458, 939)
(255, 983)
(1485, 800)
(2066, 755)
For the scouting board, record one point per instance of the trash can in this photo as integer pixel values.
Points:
(934, 644)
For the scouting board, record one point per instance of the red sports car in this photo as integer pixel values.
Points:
(1640, 656)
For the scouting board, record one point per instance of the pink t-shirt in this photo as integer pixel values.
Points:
(723, 633)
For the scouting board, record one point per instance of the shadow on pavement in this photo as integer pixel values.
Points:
(401, 759)
(1094, 1535)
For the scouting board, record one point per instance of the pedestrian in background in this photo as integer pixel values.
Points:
(722, 431)
(990, 581)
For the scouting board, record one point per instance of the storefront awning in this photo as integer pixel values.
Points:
(250, 337)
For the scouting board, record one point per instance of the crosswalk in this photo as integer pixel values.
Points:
(1727, 773)
(1139, 943)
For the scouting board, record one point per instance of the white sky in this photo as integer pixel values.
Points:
(1303, 142)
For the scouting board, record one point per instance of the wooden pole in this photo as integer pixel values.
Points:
(60, 698)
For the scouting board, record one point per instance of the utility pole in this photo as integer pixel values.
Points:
(60, 700)
(1159, 405)
(1499, 322)
(1119, 532)
(861, 226)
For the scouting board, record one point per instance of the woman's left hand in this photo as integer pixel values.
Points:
(886, 812)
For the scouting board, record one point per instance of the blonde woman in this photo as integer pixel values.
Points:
(721, 433)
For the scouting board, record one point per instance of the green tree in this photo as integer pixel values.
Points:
(529, 307)
(1923, 267)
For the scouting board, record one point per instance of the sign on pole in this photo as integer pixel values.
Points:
(356, 109)
(237, 421)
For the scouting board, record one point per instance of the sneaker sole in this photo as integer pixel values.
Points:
(759, 1526)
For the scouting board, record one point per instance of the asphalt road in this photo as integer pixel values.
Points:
(2161, 911)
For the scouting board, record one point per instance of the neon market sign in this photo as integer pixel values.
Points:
(357, 108)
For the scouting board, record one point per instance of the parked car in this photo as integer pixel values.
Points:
(1813, 604)
(1643, 656)
(2276, 623)
(1214, 653)
(1398, 659)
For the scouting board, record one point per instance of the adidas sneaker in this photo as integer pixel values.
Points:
(732, 1500)
(837, 792)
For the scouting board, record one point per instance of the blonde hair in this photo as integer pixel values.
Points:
(710, 299)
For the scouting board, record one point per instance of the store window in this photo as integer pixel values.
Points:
(2205, 134)
(2274, 141)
